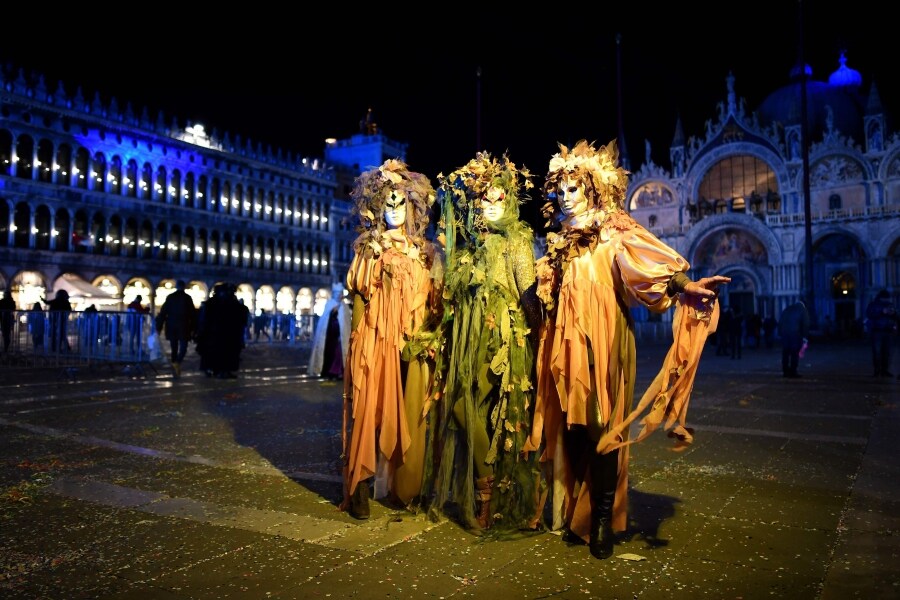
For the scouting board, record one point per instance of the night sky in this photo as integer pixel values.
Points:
(547, 77)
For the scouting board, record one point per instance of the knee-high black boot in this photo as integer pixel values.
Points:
(604, 476)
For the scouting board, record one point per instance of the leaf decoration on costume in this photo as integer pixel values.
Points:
(605, 182)
(461, 192)
(391, 170)
(546, 281)
(526, 385)
(500, 360)
(520, 339)
(369, 194)
(620, 221)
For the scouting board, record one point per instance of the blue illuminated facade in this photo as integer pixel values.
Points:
(109, 204)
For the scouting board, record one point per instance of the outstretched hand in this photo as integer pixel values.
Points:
(706, 286)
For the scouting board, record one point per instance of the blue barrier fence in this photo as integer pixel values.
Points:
(72, 339)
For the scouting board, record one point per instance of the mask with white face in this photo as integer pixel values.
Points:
(493, 204)
(395, 208)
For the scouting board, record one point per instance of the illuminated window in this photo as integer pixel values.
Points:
(737, 177)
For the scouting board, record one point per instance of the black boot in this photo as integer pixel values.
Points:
(602, 537)
(604, 476)
(359, 501)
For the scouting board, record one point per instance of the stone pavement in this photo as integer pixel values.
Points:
(129, 485)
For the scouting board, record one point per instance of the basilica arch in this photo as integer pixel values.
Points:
(840, 275)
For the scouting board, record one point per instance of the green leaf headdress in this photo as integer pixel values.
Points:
(461, 191)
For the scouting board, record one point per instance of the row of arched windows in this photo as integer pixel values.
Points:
(62, 165)
(84, 232)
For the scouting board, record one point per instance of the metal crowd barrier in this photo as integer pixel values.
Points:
(70, 339)
(73, 339)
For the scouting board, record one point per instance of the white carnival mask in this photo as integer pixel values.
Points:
(493, 204)
(395, 208)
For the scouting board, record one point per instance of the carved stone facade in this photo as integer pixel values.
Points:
(733, 204)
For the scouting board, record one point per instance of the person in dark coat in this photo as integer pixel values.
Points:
(136, 311)
(881, 317)
(769, 326)
(723, 332)
(36, 326)
(59, 308)
(736, 333)
(179, 318)
(793, 327)
(221, 335)
(7, 316)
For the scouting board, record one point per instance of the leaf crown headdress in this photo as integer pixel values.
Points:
(605, 182)
(369, 196)
(460, 194)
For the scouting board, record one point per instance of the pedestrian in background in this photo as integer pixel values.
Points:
(723, 332)
(7, 316)
(220, 338)
(36, 326)
(753, 328)
(793, 327)
(261, 326)
(881, 317)
(769, 326)
(60, 307)
(178, 317)
(332, 338)
(136, 311)
(736, 333)
(89, 328)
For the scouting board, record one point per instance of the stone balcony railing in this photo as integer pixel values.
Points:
(789, 219)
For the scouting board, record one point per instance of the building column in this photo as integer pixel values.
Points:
(52, 244)
(32, 236)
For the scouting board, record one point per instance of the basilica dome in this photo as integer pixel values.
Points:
(842, 93)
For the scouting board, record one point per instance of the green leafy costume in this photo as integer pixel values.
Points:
(490, 305)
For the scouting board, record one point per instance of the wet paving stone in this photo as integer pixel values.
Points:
(269, 567)
(148, 488)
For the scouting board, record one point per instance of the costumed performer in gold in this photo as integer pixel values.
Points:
(390, 281)
(596, 267)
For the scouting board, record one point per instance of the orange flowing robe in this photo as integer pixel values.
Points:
(395, 286)
(586, 357)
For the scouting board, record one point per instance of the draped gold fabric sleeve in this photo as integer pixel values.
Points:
(647, 265)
